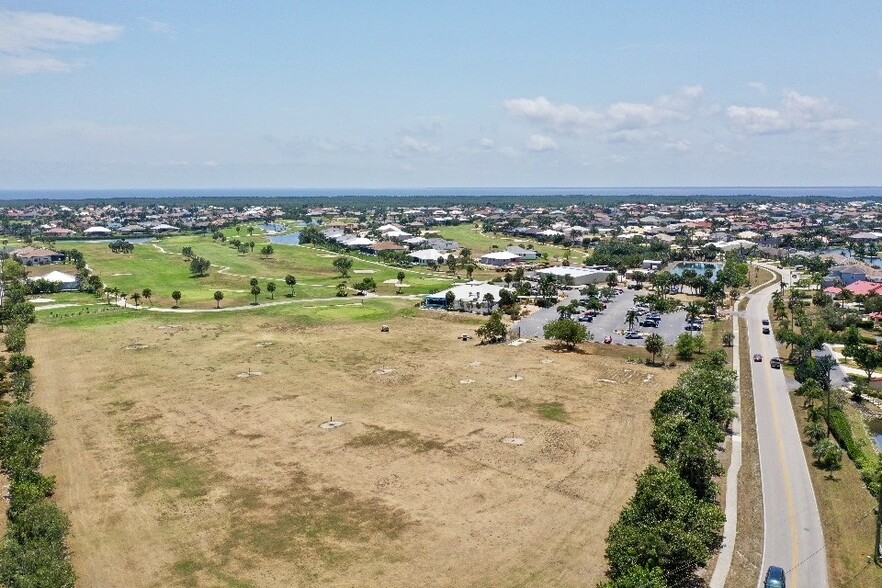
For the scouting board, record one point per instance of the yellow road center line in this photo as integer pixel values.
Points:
(791, 508)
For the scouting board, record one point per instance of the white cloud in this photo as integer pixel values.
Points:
(758, 86)
(795, 113)
(620, 116)
(31, 65)
(155, 26)
(486, 143)
(210, 163)
(412, 146)
(541, 143)
(29, 39)
(678, 146)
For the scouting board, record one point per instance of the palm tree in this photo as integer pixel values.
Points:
(488, 298)
(218, 296)
(631, 318)
(400, 276)
(147, 293)
(255, 291)
(292, 281)
(271, 288)
(137, 298)
(176, 296)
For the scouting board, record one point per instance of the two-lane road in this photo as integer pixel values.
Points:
(794, 539)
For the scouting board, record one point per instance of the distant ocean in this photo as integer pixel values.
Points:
(778, 192)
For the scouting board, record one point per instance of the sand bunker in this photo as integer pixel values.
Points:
(513, 440)
(547, 361)
(466, 381)
(249, 374)
(605, 381)
(362, 271)
(122, 274)
(515, 378)
(263, 344)
(331, 425)
(475, 364)
(383, 371)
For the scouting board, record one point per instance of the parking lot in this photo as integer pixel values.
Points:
(610, 322)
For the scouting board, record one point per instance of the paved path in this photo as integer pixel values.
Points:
(730, 529)
(793, 536)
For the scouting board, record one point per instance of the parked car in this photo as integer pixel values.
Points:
(757, 357)
(766, 322)
(607, 339)
(633, 335)
(766, 331)
(775, 363)
(775, 578)
(586, 318)
(692, 327)
(649, 323)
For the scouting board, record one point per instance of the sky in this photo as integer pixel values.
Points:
(387, 94)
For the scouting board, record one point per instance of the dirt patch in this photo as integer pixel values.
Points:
(171, 473)
(136, 346)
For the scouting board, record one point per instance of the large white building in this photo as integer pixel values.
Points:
(581, 275)
(470, 292)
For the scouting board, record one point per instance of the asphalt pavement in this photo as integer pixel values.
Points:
(793, 536)
(609, 322)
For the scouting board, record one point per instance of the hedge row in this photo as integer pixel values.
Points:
(33, 551)
(867, 462)
(673, 525)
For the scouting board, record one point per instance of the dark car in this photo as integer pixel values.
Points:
(775, 362)
(649, 323)
(766, 331)
(692, 327)
(586, 318)
(757, 357)
(766, 322)
(775, 578)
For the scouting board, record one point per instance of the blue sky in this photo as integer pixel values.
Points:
(410, 94)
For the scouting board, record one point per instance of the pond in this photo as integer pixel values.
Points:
(272, 228)
(286, 239)
(699, 267)
(875, 427)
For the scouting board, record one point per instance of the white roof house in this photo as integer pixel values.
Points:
(97, 231)
(498, 258)
(424, 256)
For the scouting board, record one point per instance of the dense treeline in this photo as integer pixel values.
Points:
(673, 524)
(33, 551)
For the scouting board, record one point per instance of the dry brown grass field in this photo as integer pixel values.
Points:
(178, 467)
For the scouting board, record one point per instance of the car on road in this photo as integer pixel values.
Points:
(692, 327)
(757, 357)
(775, 363)
(766, 331)
(586, 318)
(607, 339)
(633, 335)
(649, 323)
(775, 578)
(766, 322)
